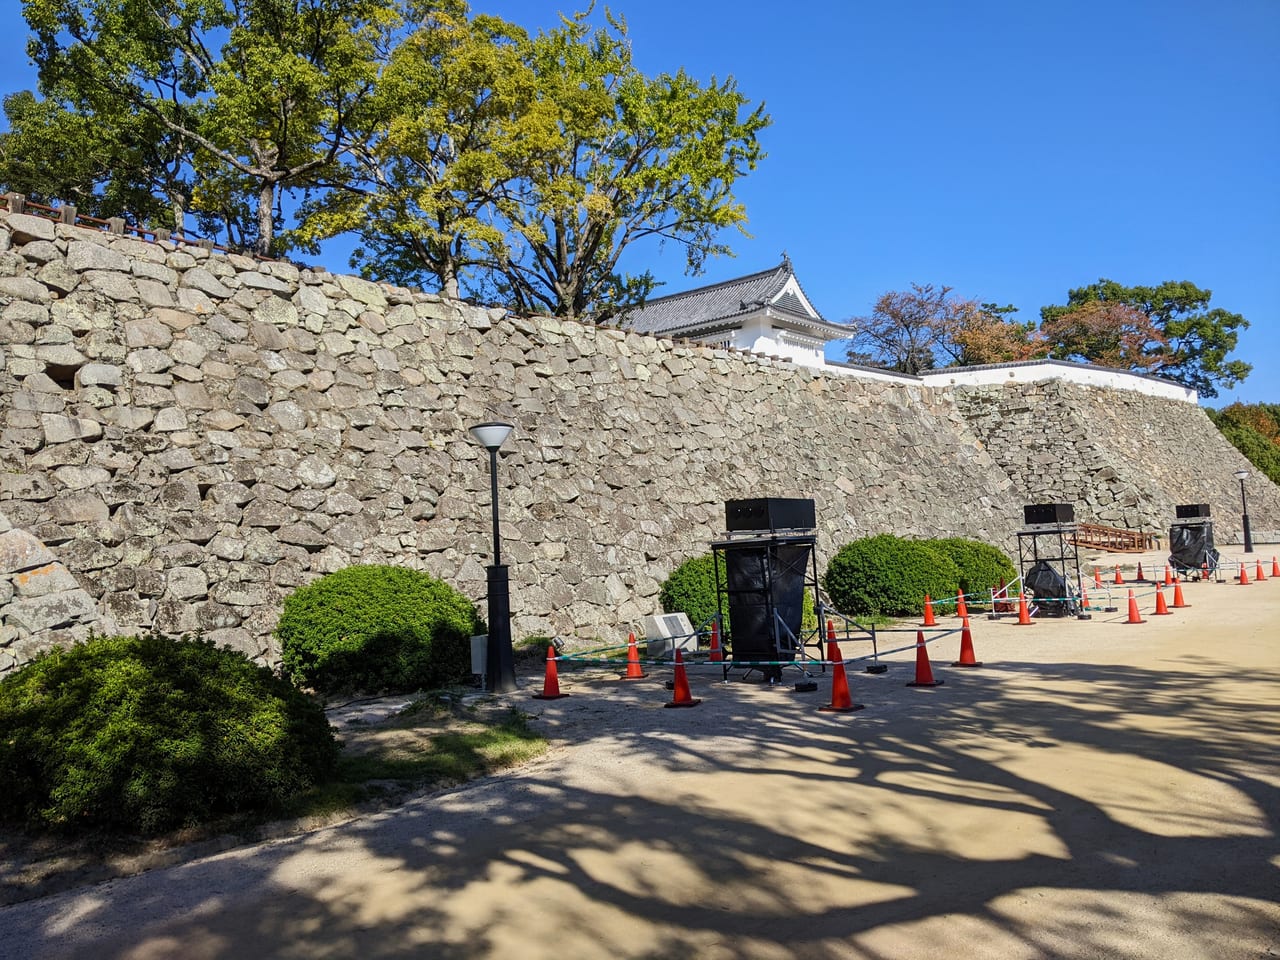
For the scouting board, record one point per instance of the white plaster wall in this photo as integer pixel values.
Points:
(1060, 370)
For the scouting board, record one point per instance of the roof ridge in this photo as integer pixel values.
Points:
(784, 265)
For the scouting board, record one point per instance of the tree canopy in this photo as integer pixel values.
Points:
(1167, 330)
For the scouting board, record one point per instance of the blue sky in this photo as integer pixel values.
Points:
(1011, 150)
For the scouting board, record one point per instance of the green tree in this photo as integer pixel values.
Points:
(1183, 339)
(266, 88)
(453, 120)
(638, 158)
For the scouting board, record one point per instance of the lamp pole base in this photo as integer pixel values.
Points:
(500, 666)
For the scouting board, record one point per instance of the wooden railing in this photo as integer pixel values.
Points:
(1115, 539)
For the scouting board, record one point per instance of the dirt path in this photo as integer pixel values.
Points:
(1097, 789)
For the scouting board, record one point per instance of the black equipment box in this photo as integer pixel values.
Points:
(1188, 511)
(1036, 513)
(769, 513)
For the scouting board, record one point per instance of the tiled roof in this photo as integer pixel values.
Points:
(719, 304)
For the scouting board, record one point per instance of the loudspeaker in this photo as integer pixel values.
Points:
(770, 513)
(1189, 511)
(763, 580)
(1036, 513)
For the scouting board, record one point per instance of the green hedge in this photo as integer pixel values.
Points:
(377, 628)
(150, 733)
(888, 576)
(981, 566)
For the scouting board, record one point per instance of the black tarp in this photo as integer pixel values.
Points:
(1191, 547)
(764, 579)
(1047, 587)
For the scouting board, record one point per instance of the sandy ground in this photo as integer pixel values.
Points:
(1096, 789)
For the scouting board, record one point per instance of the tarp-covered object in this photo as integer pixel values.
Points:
(1049, 590)
(1191, 547)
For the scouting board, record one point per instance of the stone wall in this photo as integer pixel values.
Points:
(186, 437)
(194, 435)
(1124, 458)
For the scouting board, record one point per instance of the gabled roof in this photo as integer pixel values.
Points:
(723, 305)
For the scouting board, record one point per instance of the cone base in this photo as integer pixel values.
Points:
(682, 703)
(971, 663)
(932, 683)
(877, 668)
(637, 677)
(1163, 613)
(549, 696)
(849, 709)
(1178, 606)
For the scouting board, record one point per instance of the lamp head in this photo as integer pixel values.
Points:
(492, 435)
(1241, 474)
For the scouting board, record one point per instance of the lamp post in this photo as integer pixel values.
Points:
(500, 670)
(1244, 512)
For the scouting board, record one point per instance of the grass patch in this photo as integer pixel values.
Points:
(432, 744)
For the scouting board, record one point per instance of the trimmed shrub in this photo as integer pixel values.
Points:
(377, 628)
(888, 576)
(981, 566)
(150, 733)
(691, 590)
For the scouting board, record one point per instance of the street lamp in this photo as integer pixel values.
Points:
(1244, 511)
(500, 669)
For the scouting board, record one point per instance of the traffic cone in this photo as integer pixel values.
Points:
(1161, 609)
(1275, 567)
(1133, 610)
(967, 658)
(1178, 602)
(1244, 575)
(962, 611)
(716, 655)
(551, 682)
(831, 630)
(682, 696)
(1140, 578)
(929, 621)
(1119, 579)
(841, 702)
(634, 672)
(1084, 598)
(1024, 615)
(1259, 575)
(924, 673)
(1168, 576)
(1097, 579)
(1204, 572)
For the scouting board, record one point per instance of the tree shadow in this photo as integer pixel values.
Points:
(780, 831)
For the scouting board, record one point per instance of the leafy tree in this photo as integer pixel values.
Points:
(1106, 332)
(914, 330)
(453, 120)
(638, 158)
(265, 88)
(1183, 339)
(57, 154)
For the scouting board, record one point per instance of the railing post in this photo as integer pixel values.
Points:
(17, 202)
(67, 214)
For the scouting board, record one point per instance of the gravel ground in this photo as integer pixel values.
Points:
(1096, 789)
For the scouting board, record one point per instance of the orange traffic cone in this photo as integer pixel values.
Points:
(1275, 567)
(634, 672)
(929, 621)
(1168, 576)
(967, 658)
(1244, 575)
(1259, 575)
(1133, 610)
(1084, 598)
(1161, 609)
(1097, 579)
(716, 655)
(1140, 578)
(550, 683)
(1178, 602)
(961, 610)
(1024, 615)
(1119, 579)
(682, 696)
(924, 673)
(831, 630)
(1204, 571)
(841, 702)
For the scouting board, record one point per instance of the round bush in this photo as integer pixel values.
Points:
(377, 628)
(691, 590)
(150, 733)
(981, 566)
(888, 576)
